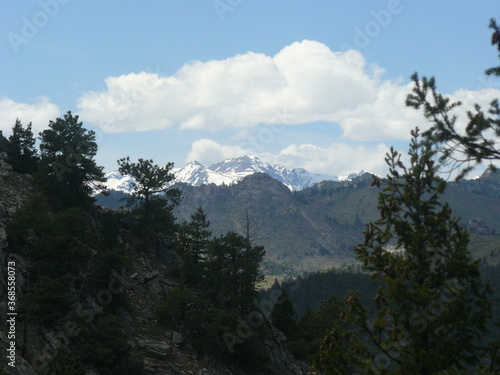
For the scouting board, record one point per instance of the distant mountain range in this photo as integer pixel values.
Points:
(230, 171)
(317, 227)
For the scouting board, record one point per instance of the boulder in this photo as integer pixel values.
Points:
(155, 349)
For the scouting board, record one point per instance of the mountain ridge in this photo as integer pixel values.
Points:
(230, 171)
(316, 228)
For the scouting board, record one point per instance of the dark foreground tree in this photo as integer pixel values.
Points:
(21, 152)
(233, 271)
(432, 306)
(149, 180)
(3, 143)
(152, 198)
(479, 142)
(68, 172)
(284, 317)
(193, 238)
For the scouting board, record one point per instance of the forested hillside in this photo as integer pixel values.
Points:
(317, 228)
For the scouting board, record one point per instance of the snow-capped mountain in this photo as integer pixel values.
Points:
(117, 181)
(197, 174)
(228, 172)
(232, 170)
(352, 176)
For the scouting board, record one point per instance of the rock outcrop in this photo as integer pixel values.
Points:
(479, 226)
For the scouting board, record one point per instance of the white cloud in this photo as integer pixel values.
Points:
(207, 151)
(303, 83)
(338, 159)
(39, 114)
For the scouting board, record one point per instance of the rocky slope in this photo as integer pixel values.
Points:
(143, 283)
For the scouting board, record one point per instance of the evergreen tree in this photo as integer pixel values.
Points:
(155, 210)
(67, 169)
(196, 235)
(495, 41)
(284, 316)
(21, 152)
(193, 238)
(3, 144)
(232, 271)
(432, 306)
(149, 180)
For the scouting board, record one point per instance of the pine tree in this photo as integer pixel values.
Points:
(193, 238)
(3, 143)
(233, 271)
(196, 235)
(21, 152)
(68, 171)
(153, 199)
(284, 316)
(149, 180)
(432, 306)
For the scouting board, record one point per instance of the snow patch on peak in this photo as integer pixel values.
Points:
(352, 176)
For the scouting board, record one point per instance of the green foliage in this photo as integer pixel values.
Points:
(4, 143)
(70, 257)
(232, 271)
(49, 302)
(495, 41)
(210, 325)
(148, 180)
(206, 324)
(30, 220)
(66, 248)
(312, 328)
(59, 247)
(21, 152)
(479, 141)
(284, 317)
(106, 349)
(342, 350)
(309, 291)
(174, 307)
(67, 169)
(195, 235)
(65, 363)
(192, 242)
(432, 305)
(154, 210)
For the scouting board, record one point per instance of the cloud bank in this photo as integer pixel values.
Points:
(303, 83)
(39, 114)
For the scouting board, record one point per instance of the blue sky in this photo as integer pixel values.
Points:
(313, 84)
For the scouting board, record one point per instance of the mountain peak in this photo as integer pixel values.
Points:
(194, 163)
